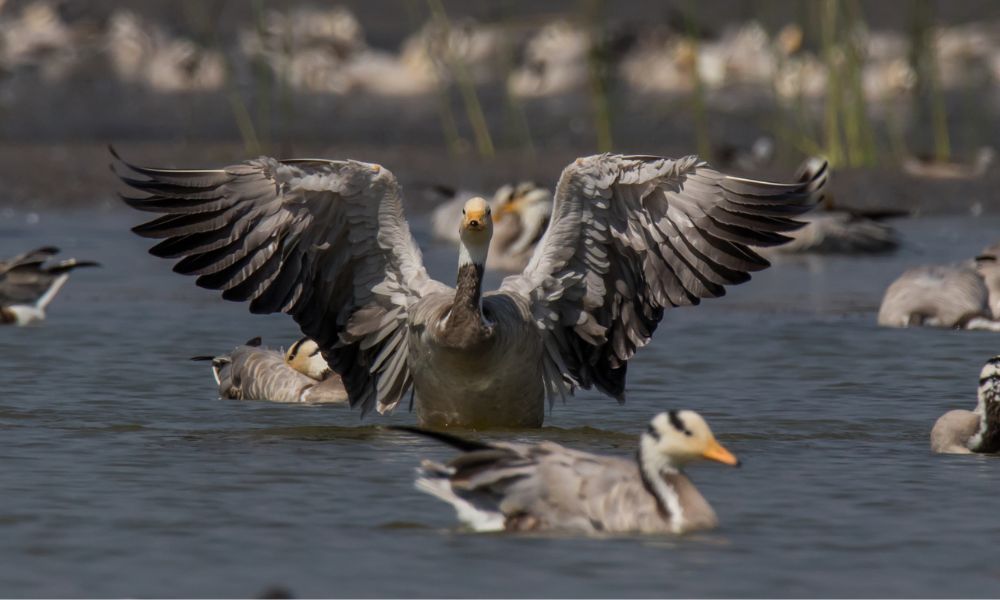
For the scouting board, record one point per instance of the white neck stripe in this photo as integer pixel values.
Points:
(475, 255)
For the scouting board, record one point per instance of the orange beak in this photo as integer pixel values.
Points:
(475, 220)
(715, 451)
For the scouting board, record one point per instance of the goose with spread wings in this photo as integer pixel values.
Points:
(326, 242)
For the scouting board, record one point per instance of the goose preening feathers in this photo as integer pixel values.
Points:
(964, 295)
(545, 486)
(965, 431)
(251, 372)
(29, 282)
(326, 242)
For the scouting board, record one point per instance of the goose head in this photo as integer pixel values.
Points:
(989, 385)
(987, 436)
(305, 357)
(475, 231)
(678, 437)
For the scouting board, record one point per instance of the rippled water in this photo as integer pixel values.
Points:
(124, 475)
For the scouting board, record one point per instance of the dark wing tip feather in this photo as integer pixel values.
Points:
(811, 169)
(461, 443)
(202, 358)
(68, 265)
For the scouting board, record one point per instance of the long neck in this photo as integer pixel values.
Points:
(652, 472)
(464, 326)
(469, 287)
(987, 438)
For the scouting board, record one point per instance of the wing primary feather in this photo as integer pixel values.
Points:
(464, 444)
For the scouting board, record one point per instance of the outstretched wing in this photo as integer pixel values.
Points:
(324, 241)
(634, 235)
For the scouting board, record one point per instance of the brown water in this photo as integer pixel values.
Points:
(124, 475)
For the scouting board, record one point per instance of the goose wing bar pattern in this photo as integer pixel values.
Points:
(632, 236)
(324, 241)
(546, 485)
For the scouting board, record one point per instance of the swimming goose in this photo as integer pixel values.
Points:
(965, 295)
(326, 242)
(930, 169)
(950, 296)
(832, 229)
(555, 61)
(305, 357)
(964, 431)
(522, 213)
(544, 486)
(28, 284)
(839, 232)
(142, 52)
(987, 264)
(251, 372)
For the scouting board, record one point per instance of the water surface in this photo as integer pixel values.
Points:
(124, 475)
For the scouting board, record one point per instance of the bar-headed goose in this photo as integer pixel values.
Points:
(834, 229)
(965, 295)
(950, 296)
(326, 242)
(251, 372)
(544, 486)
(28, 283)
(964, 431)
(521, 214)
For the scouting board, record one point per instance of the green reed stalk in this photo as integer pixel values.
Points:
(828, 26)
(599, 66)
(514, 112)
(466, 87)
(698, 104)
(859, 129)
(923, 57)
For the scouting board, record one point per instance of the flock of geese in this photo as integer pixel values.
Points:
(324, 50)
(619, 241)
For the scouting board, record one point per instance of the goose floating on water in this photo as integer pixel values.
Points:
(965, 431)
(300, 376)
(326, 242)
(930, 169)
(545, 486)
(28, 283)
(832, 229)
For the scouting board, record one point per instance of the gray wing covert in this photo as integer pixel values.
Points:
(323, 241)
(632, 236)
(555, 487)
